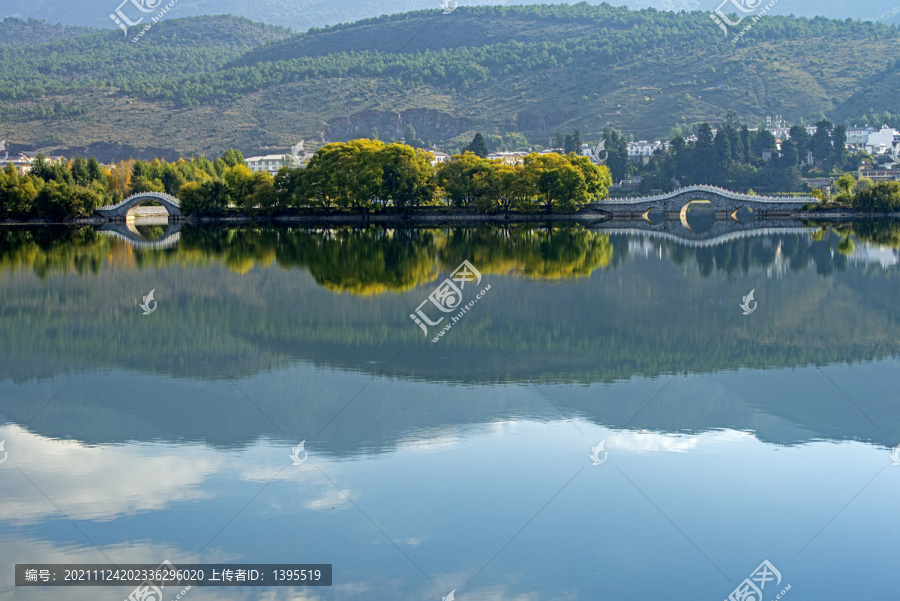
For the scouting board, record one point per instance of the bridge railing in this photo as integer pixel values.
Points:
(723, 192)
(151, 195)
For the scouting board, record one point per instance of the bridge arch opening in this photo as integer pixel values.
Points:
(152, 209)
(654, 215)
(698, 216)
(148, 230)
(744, 215)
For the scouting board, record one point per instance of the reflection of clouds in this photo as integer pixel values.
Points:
(659, 442)
(429, 443)
(331, 499)
(413, 542)
(97, 482)
(105, 482)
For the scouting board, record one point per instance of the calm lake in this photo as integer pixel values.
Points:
(601, 420)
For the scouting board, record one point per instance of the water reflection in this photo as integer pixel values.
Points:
(464, 464)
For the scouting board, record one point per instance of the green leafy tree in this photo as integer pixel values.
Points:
(478, 146)
(95, 172)
(142, 183)
(457, 178)
(883, 197)
(80, 173)
(406, 176)
(233, 157)
(821, 145)
(845, 184)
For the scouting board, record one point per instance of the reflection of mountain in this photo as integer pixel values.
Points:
(649, 313)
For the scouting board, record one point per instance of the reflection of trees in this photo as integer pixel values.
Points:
(569, 251)
(375, 260)
(742, 256)
(367, 261)
(362, 261)
(63, 249)
(883, 232)
(49, 250)
(151, 232)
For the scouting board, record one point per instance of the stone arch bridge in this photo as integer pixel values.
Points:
(121, 211)
(722, 200)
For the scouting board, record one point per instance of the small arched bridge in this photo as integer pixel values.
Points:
(722, 200)
(120, 211)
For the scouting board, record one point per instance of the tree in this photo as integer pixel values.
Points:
(95, 172)
(457, 177)
(790, 157)
(41, 168)
(409, 136)
(822, 148)
(478, 146)
(839, 145)
(80, 173)
(142, 183)
(240, 186)
(619, 163)
(346, 174)
(597, 178)
(233, 157)
(406, 176)
(722, 145)
(745, 144)
(704, 155)
(559, 183)
(192, 199)
(763, 140)
(845, 184)
(883, 197)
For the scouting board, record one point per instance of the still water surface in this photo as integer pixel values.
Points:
(461, 464)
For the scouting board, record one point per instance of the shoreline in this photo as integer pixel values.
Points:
(590, 216)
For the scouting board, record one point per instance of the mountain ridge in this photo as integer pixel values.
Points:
(505, 71)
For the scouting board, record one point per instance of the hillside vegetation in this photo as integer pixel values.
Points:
(300, 15)
(202, 85)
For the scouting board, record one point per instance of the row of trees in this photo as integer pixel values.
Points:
(883, 197)
(361, 175)
(364, 175)
(64, 190)
(733, 156)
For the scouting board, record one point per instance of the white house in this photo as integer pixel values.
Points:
(859, 136)
(270, 162)
(510, 158)
(22, 164)
(642, 150)
(883, 140)
(439, 157)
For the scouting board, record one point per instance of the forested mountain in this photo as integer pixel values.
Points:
(34, 31)
(202, 85)
(300, 15)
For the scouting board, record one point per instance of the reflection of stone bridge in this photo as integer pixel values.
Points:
(722, 200)
(120, 212)
(722, 232)
(127, 232)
